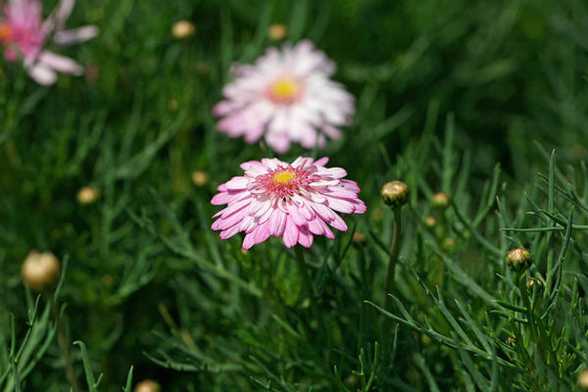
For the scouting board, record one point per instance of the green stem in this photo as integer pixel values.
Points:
(394, 251)
(64, 345)
(306, 276)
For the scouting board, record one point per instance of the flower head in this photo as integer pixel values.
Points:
(24, 34)
(293, 201)
(286, 96)
(40, 270)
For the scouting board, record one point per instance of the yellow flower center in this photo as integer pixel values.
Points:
(284, 90)
(5, 32)
(284, 177)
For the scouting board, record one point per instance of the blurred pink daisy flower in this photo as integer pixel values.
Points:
(293, 201)
(286, 96)
(24, 34)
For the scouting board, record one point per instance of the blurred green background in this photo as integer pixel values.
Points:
(143, 265)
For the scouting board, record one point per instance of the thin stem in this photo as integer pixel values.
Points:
(306, 276)
(63, 343)
(394, 251)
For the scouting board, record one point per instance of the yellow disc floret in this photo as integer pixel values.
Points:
(284, 177)
(284, 90)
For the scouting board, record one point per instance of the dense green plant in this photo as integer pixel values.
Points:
(450, 97)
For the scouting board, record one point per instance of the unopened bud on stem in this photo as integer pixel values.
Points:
(518, 258)
(277, 32)
(183, 29)
(40, 270)
(147, 386)
(88, 195)
(440, 200)
(583, 380)
(395, 193)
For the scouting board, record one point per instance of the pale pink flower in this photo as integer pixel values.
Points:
(293, 201)
(24, 35)
(286, 96)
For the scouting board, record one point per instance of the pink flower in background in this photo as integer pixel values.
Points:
(293, 201)
(286, 96)
(24, 35)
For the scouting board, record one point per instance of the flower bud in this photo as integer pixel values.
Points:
(583, 380)
(147, 386)
(518, 258)
(534, 283)
(199, 178)
(87, 195)
(173, 105)
(448, 244)
(183, 29)
(352, 380)
(92, 73)
(440, 200)
(40, 270)
(511, 340)
(277, 32)
(395, 193)
(430, 221)
(358, 238)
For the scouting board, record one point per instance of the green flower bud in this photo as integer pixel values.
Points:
(440, 200)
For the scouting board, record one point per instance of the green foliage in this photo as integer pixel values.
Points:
(451, 96)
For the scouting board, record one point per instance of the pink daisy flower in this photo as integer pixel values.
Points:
(293, 201)
(23, 33)
(286, 96)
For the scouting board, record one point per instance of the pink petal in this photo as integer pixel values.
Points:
(290, 237)
(322, 161)
(315, 227)
(295, 215)
(75, 36)
(340, 205)
(228, 233)
(338, 223)
(60, 63)
(305, 238)
(232, 208)
(220, 198)
(249, 240)
(42, 74)
(238, 183)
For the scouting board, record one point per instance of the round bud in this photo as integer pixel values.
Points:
(534, 283)
(430, 221)
(377, 214)
(518, 258)
(199, 178)
(359, 238)
(352, 380)
(511, 340)
(440, 200)
(426, 339)
(147, 386)
(448, 244)
(40, 270)
(277, 32)
(87, 195)
(173, 105)
(395, 193)
(183, 29)
(583, 380)
(91, 73)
